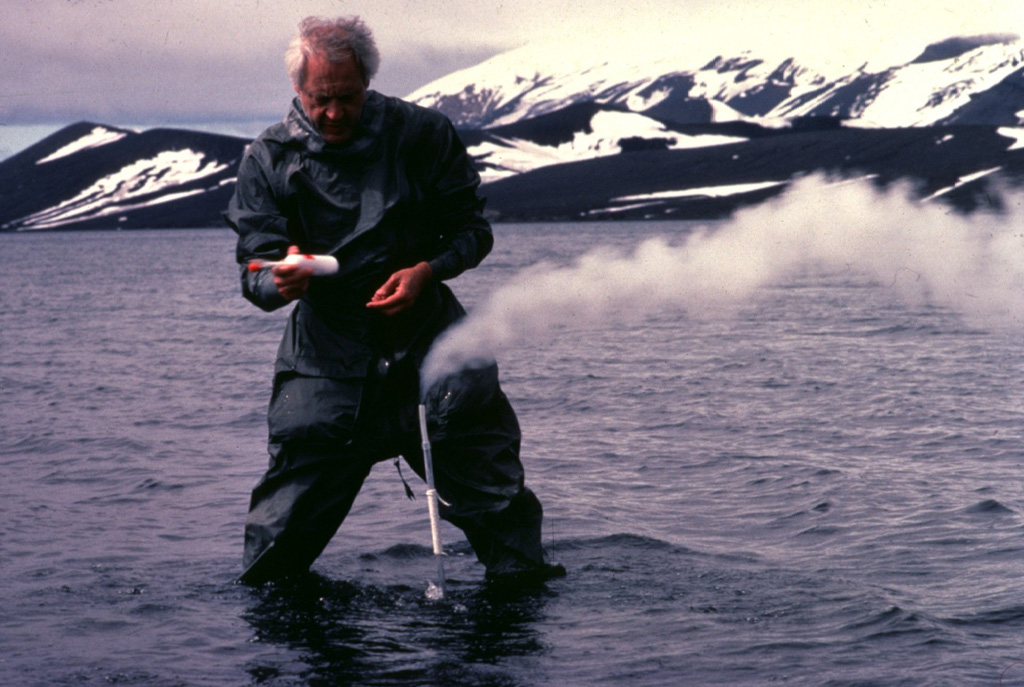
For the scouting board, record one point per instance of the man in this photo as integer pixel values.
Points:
(387, 188)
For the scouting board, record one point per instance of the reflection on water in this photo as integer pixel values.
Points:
(336, 633)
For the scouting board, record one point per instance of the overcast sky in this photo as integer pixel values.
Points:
(152, 62)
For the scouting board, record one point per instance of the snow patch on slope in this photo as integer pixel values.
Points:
(1014, 132)
(921, 94)
(704, 192)
(508, 157)
(724, 80)
(962, 181)
(99, 136)
(653, 200)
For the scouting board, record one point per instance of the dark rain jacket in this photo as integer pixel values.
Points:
(401, 191)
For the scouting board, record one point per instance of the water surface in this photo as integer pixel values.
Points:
(822, 488)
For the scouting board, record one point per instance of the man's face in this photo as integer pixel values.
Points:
(333, 95)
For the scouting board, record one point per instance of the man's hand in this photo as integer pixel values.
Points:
(291, 280)
(401, 290)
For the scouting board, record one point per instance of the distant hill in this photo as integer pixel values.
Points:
(603, 141)
(709, 170)
(96, 176)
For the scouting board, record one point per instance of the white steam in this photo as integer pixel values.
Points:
(923, 249)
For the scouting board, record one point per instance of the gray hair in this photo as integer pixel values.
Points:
(335, 39)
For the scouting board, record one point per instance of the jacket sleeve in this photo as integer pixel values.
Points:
(262, 229)
(464, 237)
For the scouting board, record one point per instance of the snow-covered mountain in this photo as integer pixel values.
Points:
(624, 137)
(974, 80)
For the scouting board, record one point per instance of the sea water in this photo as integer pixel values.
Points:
(821, 486)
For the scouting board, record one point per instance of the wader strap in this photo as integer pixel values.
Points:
(408, 490)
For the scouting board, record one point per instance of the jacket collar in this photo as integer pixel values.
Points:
(364, 139)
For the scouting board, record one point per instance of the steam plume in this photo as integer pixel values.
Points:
(924, 250)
